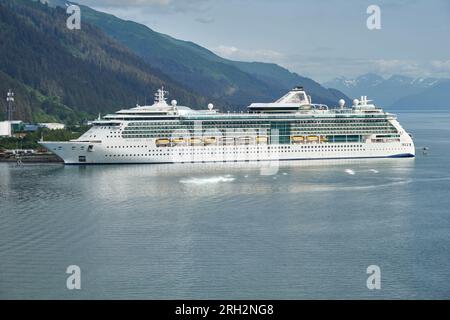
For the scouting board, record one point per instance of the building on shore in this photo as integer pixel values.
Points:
(53, 126)
(19, 152)
(29, 127)
(5, 129)
(19, 128)
(8, 128)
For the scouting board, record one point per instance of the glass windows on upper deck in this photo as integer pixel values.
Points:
(294, 101)
(296, 95)
(323, 126)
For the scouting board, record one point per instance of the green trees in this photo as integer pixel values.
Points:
(29, 141)
(70, 75)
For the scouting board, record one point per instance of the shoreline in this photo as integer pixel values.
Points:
(37, 158)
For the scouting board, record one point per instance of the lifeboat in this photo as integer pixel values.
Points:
(209, 140)
(261, 139)
(312, 138)
(244, 140)
(178, 141)
(195, 141)
(162, 142)
(226, 140)
(297, 139)
(323, 139)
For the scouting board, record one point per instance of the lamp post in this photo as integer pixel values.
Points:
(10, 104)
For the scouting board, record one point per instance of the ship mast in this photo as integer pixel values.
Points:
(160, 95)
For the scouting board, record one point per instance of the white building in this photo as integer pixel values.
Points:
(5, 129)
(52, 126)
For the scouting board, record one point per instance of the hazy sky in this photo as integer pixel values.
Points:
(321, 39)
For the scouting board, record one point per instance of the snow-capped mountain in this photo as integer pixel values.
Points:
(386, 92)
(436, 95)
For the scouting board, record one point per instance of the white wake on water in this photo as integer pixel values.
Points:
(199, 181)
(350, 172)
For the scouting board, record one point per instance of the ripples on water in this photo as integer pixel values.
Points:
(226, 231)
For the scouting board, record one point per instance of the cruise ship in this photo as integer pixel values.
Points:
(291, 128)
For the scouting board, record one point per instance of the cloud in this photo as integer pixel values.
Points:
(441, 65)
(326, 56)
(326, 68)
(204, 20)
(322, 68)
(235, 53)
(406, 67)
(414, 68)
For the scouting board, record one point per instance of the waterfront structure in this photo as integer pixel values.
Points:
(52, 126)
(5, 129)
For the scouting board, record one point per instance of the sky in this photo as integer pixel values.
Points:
(321, 39)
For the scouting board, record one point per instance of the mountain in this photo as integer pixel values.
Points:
(65, 75)
(351, 86)
(385, 92)
(281, 80)
(437, 95)
(70, 75)
(238, 83)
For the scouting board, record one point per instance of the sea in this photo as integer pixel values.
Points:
(359, 229)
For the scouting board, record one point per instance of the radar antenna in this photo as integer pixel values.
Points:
(160, 95)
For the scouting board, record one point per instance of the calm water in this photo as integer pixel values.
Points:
(168, 232)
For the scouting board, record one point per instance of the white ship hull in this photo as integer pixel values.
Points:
(140, 152)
